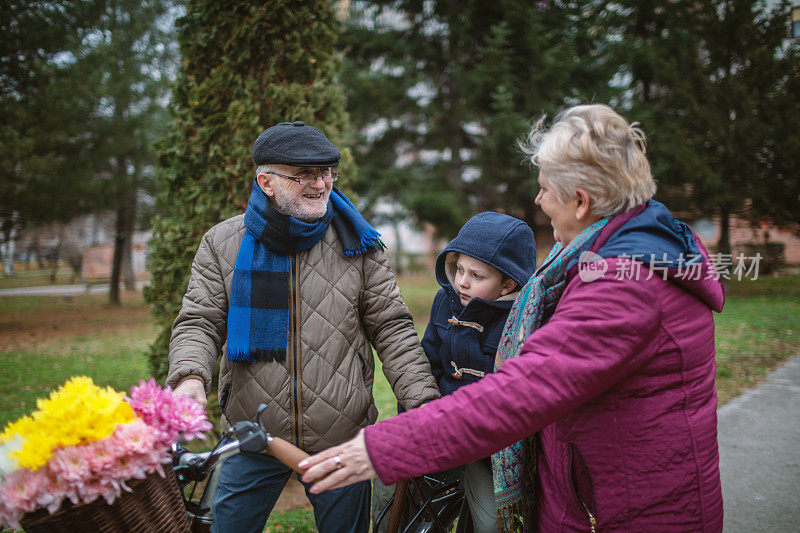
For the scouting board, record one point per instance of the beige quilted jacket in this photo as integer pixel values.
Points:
(322, 394)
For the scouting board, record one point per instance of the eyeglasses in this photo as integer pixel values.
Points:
(310, 178)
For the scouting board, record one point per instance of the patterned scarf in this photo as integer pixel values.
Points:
(514, 468)
(258, 311)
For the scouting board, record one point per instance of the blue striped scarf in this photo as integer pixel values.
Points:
(513, 468)
(258, 310)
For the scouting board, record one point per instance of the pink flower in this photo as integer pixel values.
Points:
(96, 488)
(102, 456)
(84, 473)
(10, 517)
(51, 493)
(147, 401)
(58, 489)
(22, 488)
(134, 437)
(170, 415)
(127, 467)
(188, 417)
(71, 464)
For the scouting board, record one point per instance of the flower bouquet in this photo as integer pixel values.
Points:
(86, 449)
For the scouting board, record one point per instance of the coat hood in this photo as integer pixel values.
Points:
(668, 247)
(501, 241)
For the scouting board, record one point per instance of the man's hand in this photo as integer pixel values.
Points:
(194, 388)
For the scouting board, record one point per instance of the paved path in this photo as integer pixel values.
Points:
(759, 439)
(59, 290)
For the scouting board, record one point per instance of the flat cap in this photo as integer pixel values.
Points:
(296, 144)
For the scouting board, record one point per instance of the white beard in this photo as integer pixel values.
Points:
(298, 207)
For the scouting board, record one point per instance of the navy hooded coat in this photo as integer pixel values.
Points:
(461, 341)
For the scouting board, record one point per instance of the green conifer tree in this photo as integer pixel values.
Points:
(715, 84)
(45, 104)
(131, 61)
(82, 86)
(439, 92)
(245, 66)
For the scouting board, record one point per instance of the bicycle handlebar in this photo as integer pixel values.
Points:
(287, 453)
(245, 436)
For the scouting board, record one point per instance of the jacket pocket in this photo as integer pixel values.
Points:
(580, 483)
(363, 348)
(489, 352)
(367, 368)
(442, 326)
(224, 395)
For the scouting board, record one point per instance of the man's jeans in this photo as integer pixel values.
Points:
(250, 485)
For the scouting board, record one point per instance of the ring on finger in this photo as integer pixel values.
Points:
(338, 462)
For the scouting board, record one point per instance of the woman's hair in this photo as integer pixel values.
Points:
(593, 148)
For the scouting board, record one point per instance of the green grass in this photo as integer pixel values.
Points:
(384, 397)
(12, 306)
(757, 330)
(30, 374)
(45, 340)
(35, 278)
(294, 521)
(418, 292)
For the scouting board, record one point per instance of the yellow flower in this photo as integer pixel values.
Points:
(77, 413)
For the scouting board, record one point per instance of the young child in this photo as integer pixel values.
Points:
(481, 272)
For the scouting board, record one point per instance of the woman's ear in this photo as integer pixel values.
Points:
(265, 183)
(508, 286)
(583, 204)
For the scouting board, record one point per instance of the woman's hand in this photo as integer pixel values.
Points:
(339, 466)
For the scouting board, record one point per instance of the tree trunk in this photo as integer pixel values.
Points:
(124, 230)
(127, 252)
(724, 242)
(398, 261)
(55, 255)
(116, 265)
(128, 273)
(37, 250)
(529, 213)
(724, 247)
(128, 276)
(9, 249)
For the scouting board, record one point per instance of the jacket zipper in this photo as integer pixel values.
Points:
(295, 358)
(581, 503)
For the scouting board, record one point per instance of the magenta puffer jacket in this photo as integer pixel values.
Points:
(620, 385)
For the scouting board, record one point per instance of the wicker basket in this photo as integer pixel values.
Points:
(154, 505)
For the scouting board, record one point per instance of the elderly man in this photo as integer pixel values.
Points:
(297, 290)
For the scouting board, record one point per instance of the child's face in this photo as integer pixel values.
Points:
(476, 279)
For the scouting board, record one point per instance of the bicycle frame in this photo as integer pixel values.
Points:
(246, 437)
(197, 467)
(194, 468)
(439, 503)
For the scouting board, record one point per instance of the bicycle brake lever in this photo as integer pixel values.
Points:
(284, 451)
(252, 439)
(261, 408)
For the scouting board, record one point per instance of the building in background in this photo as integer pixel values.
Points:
(86, 245)
(778, 247)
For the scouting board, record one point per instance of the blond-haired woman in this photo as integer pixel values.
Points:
(602, 415)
